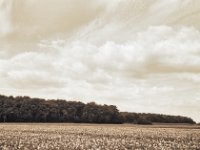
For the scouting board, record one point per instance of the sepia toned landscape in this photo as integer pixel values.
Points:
(98, 137)
(99, 75)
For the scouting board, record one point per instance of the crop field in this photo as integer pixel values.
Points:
(98, 137)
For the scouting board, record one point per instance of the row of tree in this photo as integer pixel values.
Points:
(148, 118)
(26, 109)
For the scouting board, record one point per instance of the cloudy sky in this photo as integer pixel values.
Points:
(141, 55)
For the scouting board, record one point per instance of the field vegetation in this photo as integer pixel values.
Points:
(98, 137)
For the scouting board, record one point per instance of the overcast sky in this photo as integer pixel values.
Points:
(141, 55)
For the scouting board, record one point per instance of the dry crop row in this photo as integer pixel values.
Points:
(95, 137)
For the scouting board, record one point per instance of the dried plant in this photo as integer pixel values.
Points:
(96, 137)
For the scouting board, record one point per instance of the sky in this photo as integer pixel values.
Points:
(140, 55)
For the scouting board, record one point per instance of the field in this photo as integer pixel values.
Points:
(98, 137)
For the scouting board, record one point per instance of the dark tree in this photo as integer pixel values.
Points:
(26, 109)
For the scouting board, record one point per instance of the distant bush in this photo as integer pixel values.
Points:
(143, 120)
(139, 118)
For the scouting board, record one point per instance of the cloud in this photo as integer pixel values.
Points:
(158, 50)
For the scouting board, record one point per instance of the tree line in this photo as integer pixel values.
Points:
(26, 109)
